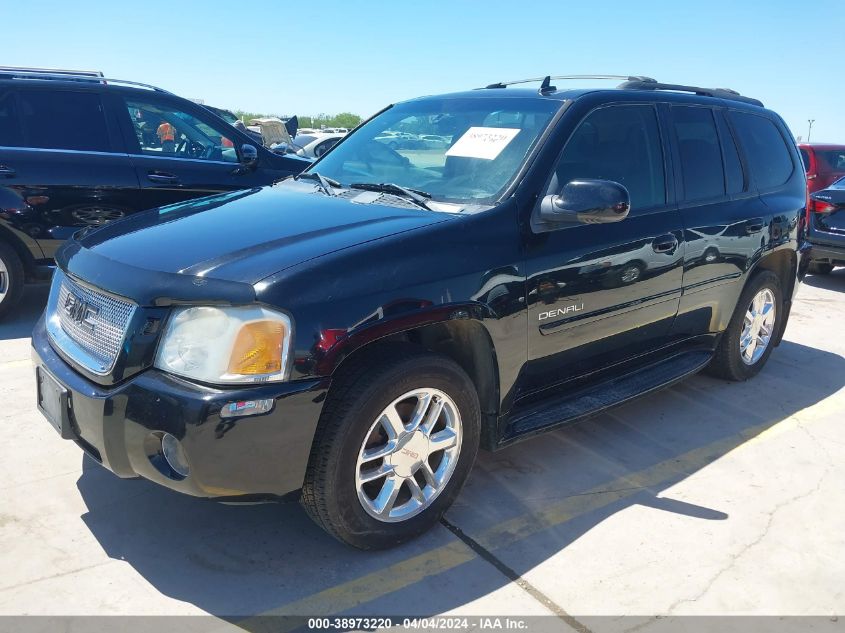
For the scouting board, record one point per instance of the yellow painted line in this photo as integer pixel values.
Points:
(405, 573)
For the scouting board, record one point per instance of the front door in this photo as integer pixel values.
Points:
(180, 153)
(599, 294)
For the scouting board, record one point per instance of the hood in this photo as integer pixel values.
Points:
(245, 236)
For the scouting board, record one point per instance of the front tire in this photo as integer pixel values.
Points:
(395, 443)
(11, 278)
(748, 341)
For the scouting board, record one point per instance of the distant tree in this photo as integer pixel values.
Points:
(345, 119)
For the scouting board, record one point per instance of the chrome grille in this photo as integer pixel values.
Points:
(88, 325)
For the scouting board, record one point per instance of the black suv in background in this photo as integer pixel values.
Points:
(351, 336)
(78, 150)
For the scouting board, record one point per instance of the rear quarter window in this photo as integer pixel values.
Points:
(765, 148)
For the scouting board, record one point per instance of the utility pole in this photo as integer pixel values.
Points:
(810, 129)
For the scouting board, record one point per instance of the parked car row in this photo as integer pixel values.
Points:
(79, 152)
(353, 335)
(825, 166)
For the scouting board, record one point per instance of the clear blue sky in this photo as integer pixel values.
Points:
(329, 56)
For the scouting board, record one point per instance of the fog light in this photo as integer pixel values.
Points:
(173, 452)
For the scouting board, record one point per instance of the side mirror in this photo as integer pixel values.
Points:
(249, 156)
(587, 201)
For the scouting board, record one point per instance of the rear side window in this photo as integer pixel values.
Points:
(619, 143)
(701, 157)
(832, 160)
(64, 120)
(765, 149)
(10, 124)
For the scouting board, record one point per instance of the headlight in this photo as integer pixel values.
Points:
(226, 345)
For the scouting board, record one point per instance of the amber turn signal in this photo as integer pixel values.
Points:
(258, 349)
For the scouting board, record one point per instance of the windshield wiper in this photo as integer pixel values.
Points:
(417, 196)
(326, 184)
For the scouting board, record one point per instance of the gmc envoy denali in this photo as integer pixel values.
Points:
(352, 335)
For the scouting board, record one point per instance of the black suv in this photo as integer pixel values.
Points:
(353, 335)
(80, 150)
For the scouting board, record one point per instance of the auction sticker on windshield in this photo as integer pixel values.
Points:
(483, 142)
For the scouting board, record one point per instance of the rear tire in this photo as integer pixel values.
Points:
(11, 278)
(340, 492)
(734, 359)
(820, 268)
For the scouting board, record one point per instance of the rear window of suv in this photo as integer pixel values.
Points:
(765, 149)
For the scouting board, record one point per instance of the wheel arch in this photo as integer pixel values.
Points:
(26, 256)
(465, 341)
(784, 264)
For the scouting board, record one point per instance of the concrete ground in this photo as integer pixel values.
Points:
(706, 498)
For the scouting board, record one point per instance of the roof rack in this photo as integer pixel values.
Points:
(92, 76)
(633, 82)
(719, 93)
(547, 79)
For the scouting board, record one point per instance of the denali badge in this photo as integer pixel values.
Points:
(575, 307)
(79, 311)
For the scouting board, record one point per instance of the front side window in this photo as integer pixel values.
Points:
(698, 146)
(765, 149)
(475, 147)
(163, 130)
(622, 144)
(63, 119)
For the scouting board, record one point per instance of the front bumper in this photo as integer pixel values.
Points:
(255, 456)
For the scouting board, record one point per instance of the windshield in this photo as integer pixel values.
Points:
(456, 150)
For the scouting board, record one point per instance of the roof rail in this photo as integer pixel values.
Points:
(51, 71)
(548, 88)
(719, 93)
(92, 76)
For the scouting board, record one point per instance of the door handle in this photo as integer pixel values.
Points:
(754, 225)
(7, 172)
(665, 244)
(163, 177)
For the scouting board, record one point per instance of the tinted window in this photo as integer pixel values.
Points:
(833, 160)
(733, 166)
(163, 130)
(64, 120)
(10, 125)
(805, 158)
(765, 149)
(619, 143)
(701, 158)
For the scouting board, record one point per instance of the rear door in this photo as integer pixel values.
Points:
(724, 219)
(66, 167)
(599, 294)
(182, 152)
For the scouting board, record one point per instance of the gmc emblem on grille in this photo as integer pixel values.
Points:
(79, 311)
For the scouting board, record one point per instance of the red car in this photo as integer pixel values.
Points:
(824, 164)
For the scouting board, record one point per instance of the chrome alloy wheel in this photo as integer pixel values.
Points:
(758, 326)
(95, 215)
(408, 455)
(4, 280)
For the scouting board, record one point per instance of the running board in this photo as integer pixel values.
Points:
(594, 399)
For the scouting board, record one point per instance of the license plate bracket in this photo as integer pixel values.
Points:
(53, 402)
